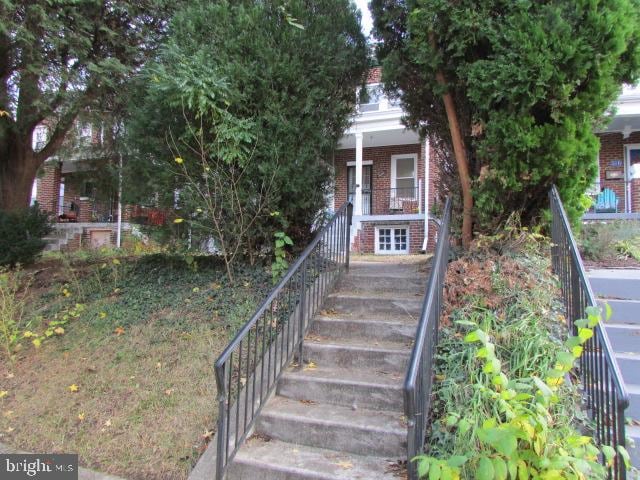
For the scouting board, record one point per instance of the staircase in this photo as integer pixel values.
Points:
(61, 235)
(339, 415)
(621, 290)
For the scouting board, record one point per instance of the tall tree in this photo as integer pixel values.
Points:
(287, 72)
(56, 58)
(527, 82)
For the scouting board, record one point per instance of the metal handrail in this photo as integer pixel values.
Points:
(419, 379)
(248, 369)
(602, 383)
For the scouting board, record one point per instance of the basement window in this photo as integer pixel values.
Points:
(392, 240)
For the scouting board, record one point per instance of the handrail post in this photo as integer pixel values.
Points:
(303, 306)
(348, 234)
(221, 434)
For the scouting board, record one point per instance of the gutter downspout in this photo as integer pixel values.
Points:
(427, 161)
(119, 229)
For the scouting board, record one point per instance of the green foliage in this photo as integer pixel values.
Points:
(280, 263)
(59, 58)
(13, 287)
(530, 81)
(611, 240)
(502, 407)
(21, 235)
(242, 90)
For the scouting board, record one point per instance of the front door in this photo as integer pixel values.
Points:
(366, 187)
(632, 168)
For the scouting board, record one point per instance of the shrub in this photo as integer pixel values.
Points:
(21, 235)
(602, 241)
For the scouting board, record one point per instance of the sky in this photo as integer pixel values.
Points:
(363, 5)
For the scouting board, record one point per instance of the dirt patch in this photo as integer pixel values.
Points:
(483, 277)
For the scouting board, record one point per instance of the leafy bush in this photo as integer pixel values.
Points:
(602, 241)
(21, 235)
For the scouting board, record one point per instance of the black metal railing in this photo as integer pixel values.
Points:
(419, 379)
(249, 368)
(390, 201)
(603, 388)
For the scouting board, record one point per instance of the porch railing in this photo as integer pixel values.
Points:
(419, 379)
(249, 368)
(602, 384)
(391, 201)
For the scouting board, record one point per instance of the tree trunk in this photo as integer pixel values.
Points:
(460, 153)
(18, 170)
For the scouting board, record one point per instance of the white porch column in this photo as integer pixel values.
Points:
(357, 206)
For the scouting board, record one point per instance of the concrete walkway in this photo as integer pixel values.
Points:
(620, 288)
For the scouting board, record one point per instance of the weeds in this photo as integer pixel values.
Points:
(487, 400)
(13, 291)
(605, 241)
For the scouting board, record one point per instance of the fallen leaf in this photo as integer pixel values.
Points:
(168, 391)
(7, 413)
(158, 365)
(103, 314)
(10, 375)
(345, 464)
(10, 429)
(107, 423)
(58, 330)
(73, 388)
(208, 434)
(81, 416)
(310, 366)
(119, 331)
(243, 381)
(3, 393)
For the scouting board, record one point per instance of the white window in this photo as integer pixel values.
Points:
(39, 137)
(371, 101)
(404, 179)
(392, 240)
(85, 132)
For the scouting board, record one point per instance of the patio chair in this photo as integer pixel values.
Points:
(606, 202)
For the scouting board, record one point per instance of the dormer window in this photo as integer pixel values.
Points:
(370, 102)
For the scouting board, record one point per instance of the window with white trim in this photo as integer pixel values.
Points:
(404, 178)
(371, 101)
(392, 239)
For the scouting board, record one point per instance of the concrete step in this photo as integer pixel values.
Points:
(366, 388)
(615, 288)
(374, 285)
(629, 367)
(334, 427)
(275, 460)
(418, 269)
(633, 411)
(633, 431)
(623, 311)
(385, 356)
(373, 307)
(624, 338)
(341, 328)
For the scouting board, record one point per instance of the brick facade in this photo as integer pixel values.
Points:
(364, 241)
(48, 188)
(612, 149)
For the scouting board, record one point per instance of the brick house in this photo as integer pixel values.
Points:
(72, 188)
(619, 157)
(387, 172)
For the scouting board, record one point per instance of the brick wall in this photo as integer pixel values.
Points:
(380, 173)
(366, 237)
(49, 188)
(612, 148)
(374, 75)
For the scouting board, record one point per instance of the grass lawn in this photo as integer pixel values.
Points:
(129, 384)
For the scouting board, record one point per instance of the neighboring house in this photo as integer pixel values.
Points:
(619, 159)
(75, 189)
(388, 174)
